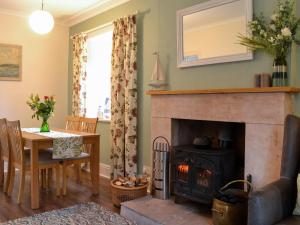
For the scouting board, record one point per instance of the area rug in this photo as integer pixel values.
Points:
(81, 214)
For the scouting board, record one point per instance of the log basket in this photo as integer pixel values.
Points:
(121, 194)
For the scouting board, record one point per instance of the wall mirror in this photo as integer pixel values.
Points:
(207, 33)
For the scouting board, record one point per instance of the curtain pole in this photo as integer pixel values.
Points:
(99, 27)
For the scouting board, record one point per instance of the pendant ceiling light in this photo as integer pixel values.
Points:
(41, 21)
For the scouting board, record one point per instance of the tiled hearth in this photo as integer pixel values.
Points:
(263, 114)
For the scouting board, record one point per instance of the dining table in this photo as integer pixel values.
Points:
(36, 143)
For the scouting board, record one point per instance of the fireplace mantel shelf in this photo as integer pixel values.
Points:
(291, 90)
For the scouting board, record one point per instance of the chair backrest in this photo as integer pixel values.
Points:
(16, 141)
(4, 141)
(290, 162)
(72, 123)
(88, 125)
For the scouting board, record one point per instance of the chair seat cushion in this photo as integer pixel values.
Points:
(293, 220)
(45, 157)
(83, 155)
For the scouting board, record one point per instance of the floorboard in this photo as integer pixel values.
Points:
(77, 193)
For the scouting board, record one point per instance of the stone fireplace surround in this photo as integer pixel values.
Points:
(263, 111)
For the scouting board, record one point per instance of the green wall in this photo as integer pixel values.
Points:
(157, 32)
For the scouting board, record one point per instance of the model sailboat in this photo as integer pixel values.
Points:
(158, 78)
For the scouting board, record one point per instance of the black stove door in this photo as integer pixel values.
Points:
(182, 173)
(205, 176)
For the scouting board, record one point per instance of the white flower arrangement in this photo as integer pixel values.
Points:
(275, 36)
(286, 32)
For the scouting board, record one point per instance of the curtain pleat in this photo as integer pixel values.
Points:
(79, 74)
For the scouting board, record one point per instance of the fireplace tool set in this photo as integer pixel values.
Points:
(161, 168)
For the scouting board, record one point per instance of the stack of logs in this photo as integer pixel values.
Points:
(131, 181)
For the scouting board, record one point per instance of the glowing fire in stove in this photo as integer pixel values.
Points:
(183, 168)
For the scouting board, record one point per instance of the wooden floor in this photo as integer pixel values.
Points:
(77, 193)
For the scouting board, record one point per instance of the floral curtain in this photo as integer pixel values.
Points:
(79, 74)
(124, 98)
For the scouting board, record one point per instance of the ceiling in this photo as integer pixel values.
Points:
(62, 10)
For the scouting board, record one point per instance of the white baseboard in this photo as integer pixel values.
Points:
(147, 170)
(104, 170)
(5, 166)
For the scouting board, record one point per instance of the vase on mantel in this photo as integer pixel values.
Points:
(45, 125)
(280, 74)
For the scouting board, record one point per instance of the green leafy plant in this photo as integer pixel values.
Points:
(275, 35)
(43, 109)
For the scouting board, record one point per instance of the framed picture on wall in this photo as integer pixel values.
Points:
(10, 62)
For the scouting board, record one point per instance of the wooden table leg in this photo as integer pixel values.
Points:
(1, 171)
(94, 164)
(35, 203)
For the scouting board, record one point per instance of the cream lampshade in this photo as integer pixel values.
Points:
(41, 21)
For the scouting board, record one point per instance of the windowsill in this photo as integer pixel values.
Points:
(103, 121)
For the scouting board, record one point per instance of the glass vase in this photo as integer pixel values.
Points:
(280, 75)
(45, 125)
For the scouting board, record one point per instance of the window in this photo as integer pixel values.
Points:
(98, 83)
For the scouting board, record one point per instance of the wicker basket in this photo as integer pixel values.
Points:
(121, 194)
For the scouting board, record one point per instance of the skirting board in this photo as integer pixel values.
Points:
(148, 170)
(104, 170)
(5, 166)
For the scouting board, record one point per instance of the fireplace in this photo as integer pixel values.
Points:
(199, 173)
(207, 155)
(262, 111)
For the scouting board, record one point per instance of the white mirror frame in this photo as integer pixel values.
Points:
(206, 61)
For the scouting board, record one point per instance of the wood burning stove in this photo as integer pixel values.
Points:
(198, 173)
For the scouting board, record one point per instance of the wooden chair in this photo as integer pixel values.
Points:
(72, 123)
(21, 159)
(4, 154)
(88, 125)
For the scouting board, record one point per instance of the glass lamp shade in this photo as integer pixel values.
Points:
(41, 22)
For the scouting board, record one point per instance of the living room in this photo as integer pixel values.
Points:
(225, 89)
